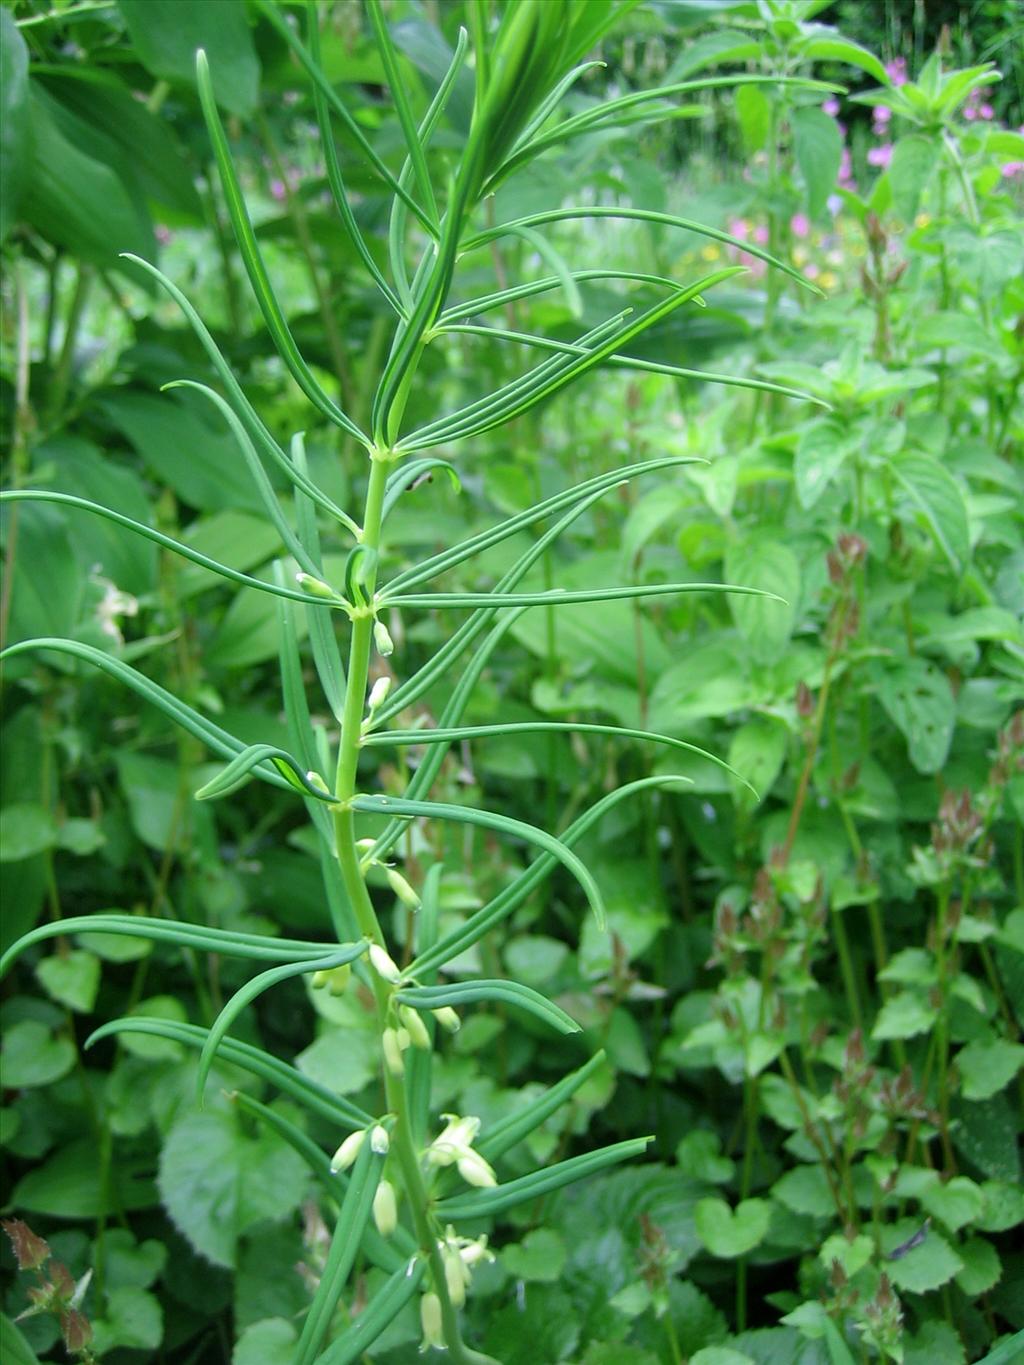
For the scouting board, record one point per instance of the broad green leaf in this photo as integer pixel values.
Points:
(539, 1257)
(919, 701)
(71, 978)
(132, 1319)
(757, 752)
(905, 1015)
(15, 126)
(805, 1189)
(824, 44)
(956, 1202)
(65, 1185)
(753, 110)
(271, 1341)
(914, 158)
(25, 830)
(765, 566)
(982, 1267)
(166, 34)
(14, 1349)
(75, 201)
(935, 496)
(821, 452)
(507, 992)
(33, 1056)
(506, 1133)
(729, 1232)
(216, 1182)
(927, 1266)
(986, 1067)
(818, 145)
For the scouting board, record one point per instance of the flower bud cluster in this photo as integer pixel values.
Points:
(454, 1147)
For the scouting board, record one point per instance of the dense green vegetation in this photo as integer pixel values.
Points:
(666, 944)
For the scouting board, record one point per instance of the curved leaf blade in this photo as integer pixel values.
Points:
(506, 992)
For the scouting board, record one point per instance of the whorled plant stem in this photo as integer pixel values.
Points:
(403, 1144)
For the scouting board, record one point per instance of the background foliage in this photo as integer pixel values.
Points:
(812, 998)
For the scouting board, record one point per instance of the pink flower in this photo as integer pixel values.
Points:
(739, 227)
(164, 234)
(811, 270)
(831, 106)
(1012, 169)
(880, 156)
(761, 235)
(881, 113)
(987, 112)
(800, 225)
(896, 70)
(846, 169)
(277, 190)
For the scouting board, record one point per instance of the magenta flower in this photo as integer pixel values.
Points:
(739, 227)
(831, 106)
(1012, 170)
(880, 156)
(277, 190)
(800, 225)
(761, 235)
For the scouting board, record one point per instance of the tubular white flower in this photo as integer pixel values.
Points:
(378, 693)
(455, 1277)
(476, 1171)
(447, 1018)
(402, 889)
(431, 1322)
(380, 1141)
(415, 1026)
(392, 1049)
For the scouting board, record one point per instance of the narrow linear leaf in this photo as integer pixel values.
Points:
(150, 533)
(396, 84)
(379, 1314)
(305, 1092)
(560, 597)
(212, 735)
(641, 216)
(484, 919)
(625, 362)
(503, 824)
(507, 992)
(466, 732)
(580, 494)
(240, 770)
(227, 942)
(250, 417)
(326, 657)
(272, 13)
(255, 987)
(509, 1131)
(488, 1203)
(253, 260)
(413, 473)
(488, 302)
(345, 1243)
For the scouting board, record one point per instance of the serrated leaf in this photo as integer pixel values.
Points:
(982, 1266)
(767, 565)
(986, 1067)
(919, 701)
(905, 1015)
(936, 497)
(927, 1266)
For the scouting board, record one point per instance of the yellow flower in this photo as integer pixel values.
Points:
(710, 253)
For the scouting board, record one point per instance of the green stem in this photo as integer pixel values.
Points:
(62, 374)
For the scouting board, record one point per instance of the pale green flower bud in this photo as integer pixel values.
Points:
(316, 587)
(384, 964)
(385, 1208)
(336, 979)
(379, 693)
(348, 1151)
(402, 889)
(417, 1029)
(392, 1052)
(315, 780)
(455, 1277)
(475, 1170)
(382, 639)
(447, 1018)
(431, 1322)
(380, 1140)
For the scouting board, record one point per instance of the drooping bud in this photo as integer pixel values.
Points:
(404, 1040)
(336, 979)
(380, 1140)
(382, 639)
(417, 1029)
(385, 1208)
(316, 587)
(379, 693)
(315, 780)
(476, 1171)
(402, 889)
(348, 1151)
(447, 1018)
(431, 1322)
(392, 1052)
(384, 964)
